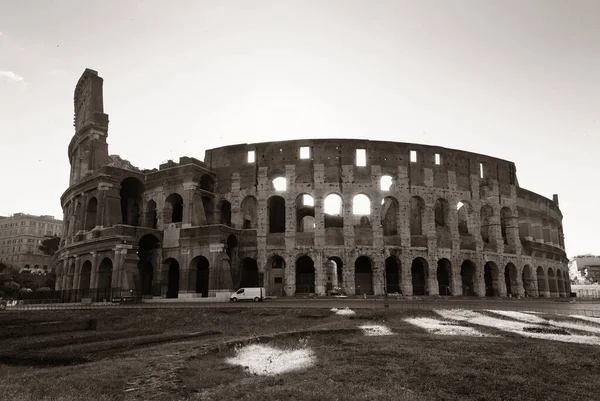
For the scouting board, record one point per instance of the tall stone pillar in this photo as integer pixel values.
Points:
(432, 282)
(94, 273)
(320, 273)
(378, 270)
(76, 273)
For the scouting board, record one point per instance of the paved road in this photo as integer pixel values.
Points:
(534, 305)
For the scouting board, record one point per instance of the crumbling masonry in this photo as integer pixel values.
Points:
(305, 216)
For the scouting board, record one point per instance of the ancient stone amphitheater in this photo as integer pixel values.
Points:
(302, 217)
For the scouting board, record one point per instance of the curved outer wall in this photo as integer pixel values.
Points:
(201, 229)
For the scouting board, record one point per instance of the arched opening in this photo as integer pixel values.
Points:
(131, 193)
(225, 213)
(468, 272)
(444, 273)
(207, 183)
(85, 278)
(552, 282)
(250, 276)
(392, 276)
(208, 204)
(276, 269)
(363, 276)
(305, 213)
(332, 207)
(173, 208)
(385, 183)
(417, 210)
(148, 248)
(420, 274)
(528, 281)
(172, 267)
(441, 212)
(463, 218)
(505, 215)
(560, 284)
(361, 205)
(491, 278)
(510, 280)
(279, 184)
(105, 277)
(91, 214)
(335, 277)
(389, 216)
(248, 211)
(202, 275)
(486, 220)
(305, 275)
(151, 214)
(541, 280)
(276, 212)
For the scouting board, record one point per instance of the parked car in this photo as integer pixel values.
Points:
(255, 294)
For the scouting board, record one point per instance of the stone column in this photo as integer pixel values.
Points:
(432, 282)
(82, 212)
(236, 201)
(94, 273)
(479, 278)
(320, 273)
(76, 273)
(405, 272)
(290, 275)
(378, 270)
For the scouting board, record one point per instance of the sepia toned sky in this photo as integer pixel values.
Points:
(514, 79)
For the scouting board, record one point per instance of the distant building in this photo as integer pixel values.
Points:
(20, 237)
(589, 268)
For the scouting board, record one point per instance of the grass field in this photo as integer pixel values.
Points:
(187, 354)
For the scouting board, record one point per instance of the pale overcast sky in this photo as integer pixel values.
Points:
(514, 79)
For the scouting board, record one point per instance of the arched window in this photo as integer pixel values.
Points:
(276, 207)
(417, 209)
(385, 182)
(248, 210)
(279, 184)
(361, 205)
(463, 218)
(174, 208)
(91, 213)
(486, 221)
(332, 206)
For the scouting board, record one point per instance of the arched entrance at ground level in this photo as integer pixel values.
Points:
(528, 281)
(560, 283)
(491, 276)
(363, 276)
(392, 275)
(541, 280)
(468, 273)
(335, 277)
(84, 278)
(250, 275)
(552, 282)
(305, 275)
(202, 268)
(105, 278)
(510, 279)
(172, 270)
(276, 273)
(444, 273)
(420, 273)
(147, 252)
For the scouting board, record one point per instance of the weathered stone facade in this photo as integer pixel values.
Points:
(434, 221)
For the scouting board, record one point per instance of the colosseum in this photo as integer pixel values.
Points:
(321, 216)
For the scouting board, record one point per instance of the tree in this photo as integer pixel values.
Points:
(50, 245)
(11, 287)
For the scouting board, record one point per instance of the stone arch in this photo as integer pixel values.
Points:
(363, 276)
(148, 247)
(305, 213)
(276, 213)
(505, 216)
(510, 280)
(420, 274)
(279, 184)
(85, 277)
(386, 183)
(151, 214)
(468, 274)
(486, 215)
(541, 280)
(201, 279)
(361, 205)
(248, 210)
(417, 215)
(389, 216)
(491, 276)
(393, 275)
(305, 275)
(225, 212)
(249, 273)
(444, 277)
(171, 271)
(208, 204)
(333, 207)
(335, 273)
(173, 208)
(552, 283)
(463, 209)
(441, 215)
(105, 272)
(207, 183)
(91, 212)
(131, 194)
(276, 273)
(529, 281)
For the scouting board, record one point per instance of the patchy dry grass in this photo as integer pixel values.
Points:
(122, 363)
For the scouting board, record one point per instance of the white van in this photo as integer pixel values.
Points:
(255, 294)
